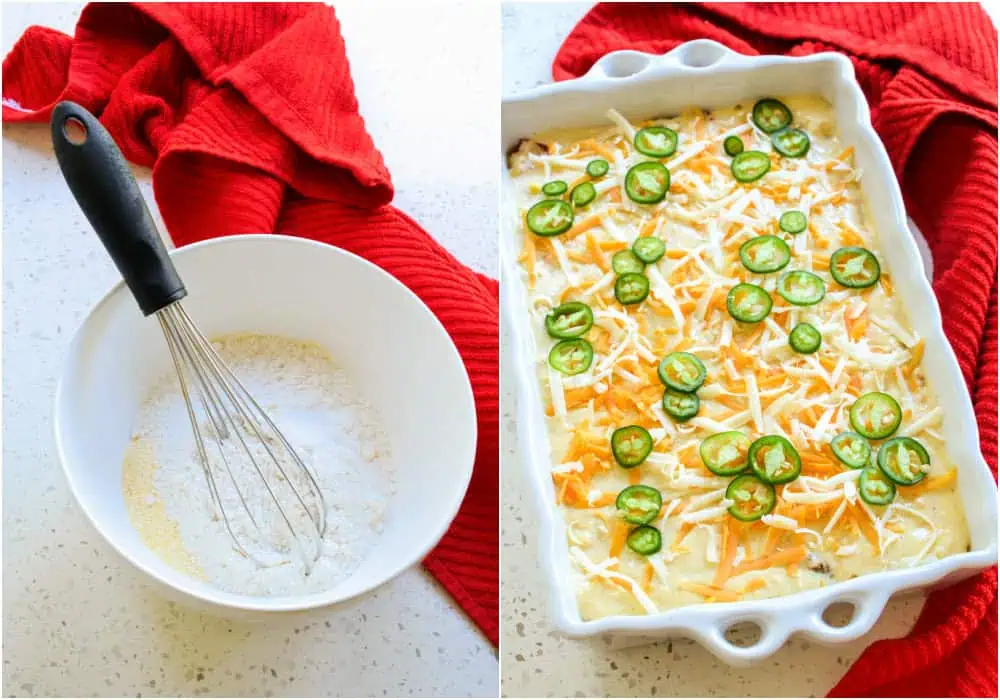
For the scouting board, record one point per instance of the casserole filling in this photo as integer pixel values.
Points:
(735, 401)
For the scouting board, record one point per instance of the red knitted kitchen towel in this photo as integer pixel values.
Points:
(247, 114)
(929, 71)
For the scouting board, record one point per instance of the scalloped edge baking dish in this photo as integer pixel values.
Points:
(708, 74)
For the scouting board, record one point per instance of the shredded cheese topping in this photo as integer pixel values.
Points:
(757, 384)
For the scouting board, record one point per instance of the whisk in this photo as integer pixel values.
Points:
(267, 498)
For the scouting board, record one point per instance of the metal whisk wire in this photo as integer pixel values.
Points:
(231, 410)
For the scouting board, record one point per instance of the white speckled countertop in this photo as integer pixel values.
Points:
(535, 661)
(78, 621)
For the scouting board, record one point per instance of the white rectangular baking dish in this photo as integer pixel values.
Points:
(707, 74)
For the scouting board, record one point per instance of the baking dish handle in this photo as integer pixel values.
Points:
(776, 628)
(868, 607)
(691, 55)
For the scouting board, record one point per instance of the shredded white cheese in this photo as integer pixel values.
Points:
(602, 571)
(707, 513)
(813, 498)
(782, 522)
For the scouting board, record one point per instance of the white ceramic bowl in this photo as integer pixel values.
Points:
(397, 351)
(707, 74)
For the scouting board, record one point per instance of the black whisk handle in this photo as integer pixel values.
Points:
(108, 194)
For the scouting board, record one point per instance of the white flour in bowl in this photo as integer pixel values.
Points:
(331, 427)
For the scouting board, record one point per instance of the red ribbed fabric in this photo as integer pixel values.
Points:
(929, 71)
(247, 114)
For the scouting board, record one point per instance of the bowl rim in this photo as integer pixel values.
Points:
(180, 582)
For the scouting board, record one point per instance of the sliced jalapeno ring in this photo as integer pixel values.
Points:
(626, 261)
(801, 288)
(631, 445)
(645, 540)
(750, 165)
(733, 145)
(554, 188)
(748, 303)
(583, 194)
(550, 217)
(793, 143)
(774, 460)
(681, 405)
(851, 449)
(771, 115)
(805, 338)
(647, 182)
(752, 498)
(572, 356)
(569, 320)
(903, 460)
(649, 249)
(597, 167)
(875, 488)
(682, 371)
(855, 267)
(792, 222)
(631, 288)
(876, 415)
(725, 453)
(656, 141)
(765, 254)
(639, 504)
